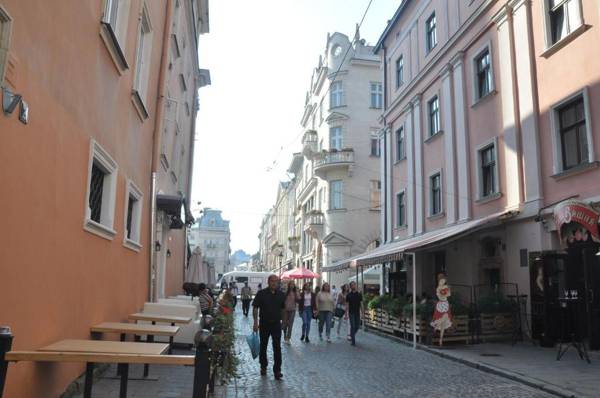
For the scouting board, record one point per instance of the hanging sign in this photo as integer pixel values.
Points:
(575, 221)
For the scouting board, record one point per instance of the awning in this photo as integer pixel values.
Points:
(170, 204)
(394, 251)
(342, 264)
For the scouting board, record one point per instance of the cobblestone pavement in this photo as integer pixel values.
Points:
(375, 367)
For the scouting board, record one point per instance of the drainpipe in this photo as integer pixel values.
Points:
(158, 126)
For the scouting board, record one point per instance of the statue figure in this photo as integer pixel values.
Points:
(442, 317)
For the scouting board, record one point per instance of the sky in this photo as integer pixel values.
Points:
(261, 55)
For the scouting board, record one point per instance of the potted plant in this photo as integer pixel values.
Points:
(496, 316)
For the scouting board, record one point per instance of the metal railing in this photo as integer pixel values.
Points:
(328, 158)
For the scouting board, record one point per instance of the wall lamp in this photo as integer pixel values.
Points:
(157, 246)
(10, 101)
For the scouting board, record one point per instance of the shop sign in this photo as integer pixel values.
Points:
(578, 219)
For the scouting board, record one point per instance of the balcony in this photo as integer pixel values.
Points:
(329, 160)
(310, 142)
(294, 243)
(313, 223)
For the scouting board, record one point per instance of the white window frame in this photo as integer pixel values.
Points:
(478, 150)
(555, 128)
(376, 92)
(143, 61)
(5, 34)
(333, 192)
(577, 21)
(102, 159)
(372, 191)
(400, 71)
(339, 138)
(431, 133)
(374, 137)
(113, 31)
(134, 242)
(398, 224)
(400, 156)
(430, 46)
(429, 177)
(336, 94)
(475, 91)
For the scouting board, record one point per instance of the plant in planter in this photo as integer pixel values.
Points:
(494, 303)
(223, 356)
(496, 314)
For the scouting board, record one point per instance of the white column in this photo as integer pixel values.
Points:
(418, 149)
(525, 70)
(512, 188)
(462, 140)
(447, 126)
(410, 183)
(389, 165)
(384, 215)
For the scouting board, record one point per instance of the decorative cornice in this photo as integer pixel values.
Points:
(416, 100)
(516, 4)
(446, 71)
(503, 15)
(458, 59)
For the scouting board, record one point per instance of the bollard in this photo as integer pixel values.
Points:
(6, 338)
(203, 340)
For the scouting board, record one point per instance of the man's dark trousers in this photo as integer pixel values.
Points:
(246, 306)
(272, 329)
(354, 325)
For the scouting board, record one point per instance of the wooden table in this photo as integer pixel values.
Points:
(107, 347)
(137, 330)
(139, 316)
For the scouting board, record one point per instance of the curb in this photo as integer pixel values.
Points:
(528, 381)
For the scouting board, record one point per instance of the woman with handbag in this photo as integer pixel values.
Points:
(340, 308)
(291, 298)
(306, 309)
(325, 306)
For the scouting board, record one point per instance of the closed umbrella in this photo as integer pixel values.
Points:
(194, 271)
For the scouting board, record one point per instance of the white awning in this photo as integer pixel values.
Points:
(393, 251)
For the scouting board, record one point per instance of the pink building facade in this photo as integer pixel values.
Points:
(488, 130)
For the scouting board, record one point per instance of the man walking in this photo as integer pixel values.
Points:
(353, 310)
(246, 296)
(271, 304)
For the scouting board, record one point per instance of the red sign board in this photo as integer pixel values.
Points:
(578, 220)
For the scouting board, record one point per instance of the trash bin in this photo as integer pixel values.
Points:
(6, 338)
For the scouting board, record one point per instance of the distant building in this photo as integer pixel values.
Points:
(239, 257)
(211, 233)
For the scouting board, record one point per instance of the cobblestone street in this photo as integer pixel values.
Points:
(376, 367)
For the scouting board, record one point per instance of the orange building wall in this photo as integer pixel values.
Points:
(175, 264)
(56, 280)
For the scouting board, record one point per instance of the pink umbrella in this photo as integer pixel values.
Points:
(299, 273)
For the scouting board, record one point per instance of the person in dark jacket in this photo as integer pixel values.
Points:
(307, 308)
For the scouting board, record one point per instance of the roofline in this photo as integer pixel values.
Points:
(390, 24)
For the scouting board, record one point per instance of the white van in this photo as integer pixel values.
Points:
(241, 277)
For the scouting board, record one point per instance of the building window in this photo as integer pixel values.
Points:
(435, 182)
(433, 107)
(400, 144)
(400, 210)
(335, 192)
(335, 138)
(375, 195)
(5, 31)
(563, 17)
(430, 33)
(376, 95)
(133, 216)
(375, 148)
(483, 68)
(114, 32)
(101, 192)
(143, 55)
(488, 170)
(336, 94)
(399, 71)
(573, 134)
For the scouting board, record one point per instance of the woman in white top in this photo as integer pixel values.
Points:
(325, 306)
(340, 307)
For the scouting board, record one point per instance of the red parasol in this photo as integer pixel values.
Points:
(299, 273)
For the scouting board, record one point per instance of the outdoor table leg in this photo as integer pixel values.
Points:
(89, 379)
(149, 339)
(124, 367)
(170, 345)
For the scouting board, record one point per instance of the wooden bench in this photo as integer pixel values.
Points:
(118, 353)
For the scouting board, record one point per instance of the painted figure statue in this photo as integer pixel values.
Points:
(442, 317)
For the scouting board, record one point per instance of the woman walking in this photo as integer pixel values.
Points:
(291, 298)
(340, 308)
(325, 306)
(306, 307)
